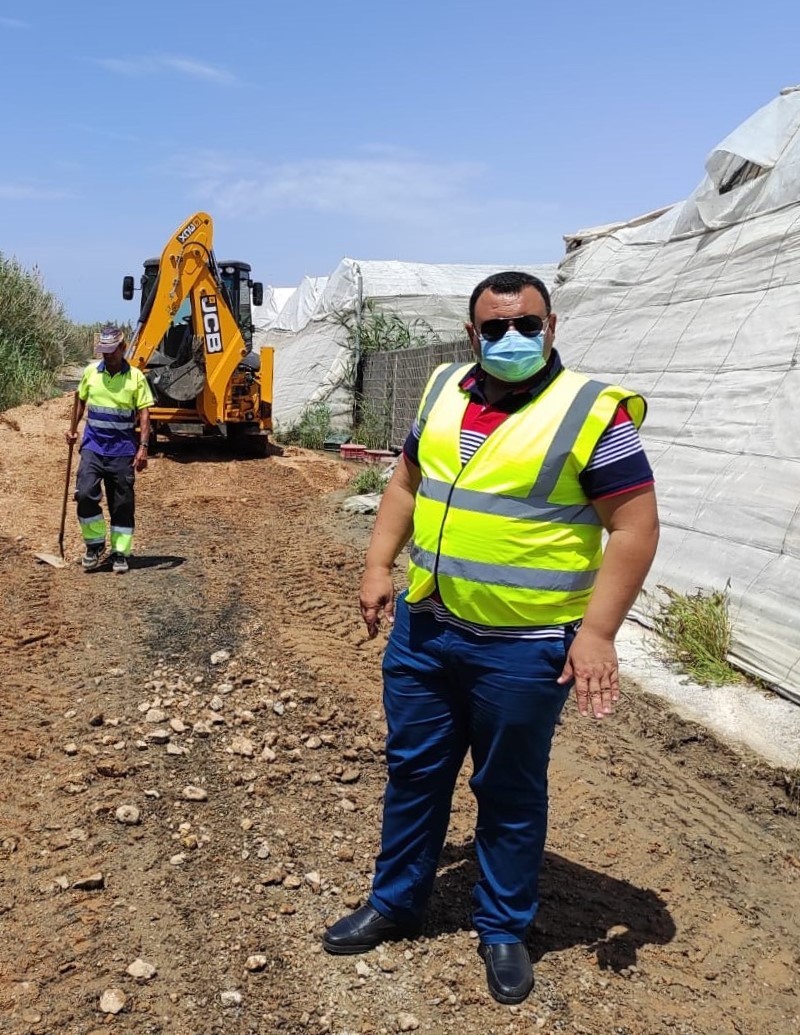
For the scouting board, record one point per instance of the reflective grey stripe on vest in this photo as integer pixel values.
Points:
(436, 390)
(111, 411)
(566, 437)
(535, 506)
(116, 425)
(524, 508)
(509, 575)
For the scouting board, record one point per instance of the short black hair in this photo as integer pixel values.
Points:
(510, 282)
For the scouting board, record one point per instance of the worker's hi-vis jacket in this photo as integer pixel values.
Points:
(510, 538)
(113, 402)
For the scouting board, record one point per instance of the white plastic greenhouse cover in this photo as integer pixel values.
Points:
(299, 305)
(275, 298)
(311, 359)
(698, 307)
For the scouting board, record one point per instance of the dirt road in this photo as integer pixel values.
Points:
(673, 868)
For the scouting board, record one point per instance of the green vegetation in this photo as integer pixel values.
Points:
(374, 331)
(36, 336)
(371, 479)
(378, 331)
(22, 378)
(310, 431)
(697, 630)
(374, 425)
(285, 434)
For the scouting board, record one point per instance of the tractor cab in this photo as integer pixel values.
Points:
(234, 277)
(175, 366)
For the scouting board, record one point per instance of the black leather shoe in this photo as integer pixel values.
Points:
(362, 931)
(508, 971)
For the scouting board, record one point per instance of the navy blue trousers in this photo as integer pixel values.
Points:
(117, 476)
(447, 691)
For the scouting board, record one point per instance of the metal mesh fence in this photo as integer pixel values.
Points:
(393, 384)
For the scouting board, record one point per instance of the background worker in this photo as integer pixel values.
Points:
(512, 470)
(114, 396)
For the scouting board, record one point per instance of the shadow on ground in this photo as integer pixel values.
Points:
(580, 907)
(140, 562)
(165, 561)
(188, 449)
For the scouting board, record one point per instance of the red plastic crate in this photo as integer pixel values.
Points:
(378, 456)
(352, 451)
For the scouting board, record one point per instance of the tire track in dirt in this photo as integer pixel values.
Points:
(314, 623)
(684, 803)
(30, 615)
(722, 875)
(313, 584)
(33, 631)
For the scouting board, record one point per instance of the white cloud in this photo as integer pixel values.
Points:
(13, 23)
(389, 188)
(122, 66)
(28, 192)
(199, 70)
(455, 209)
(155, 65)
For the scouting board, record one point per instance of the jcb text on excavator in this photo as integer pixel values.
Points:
(194, 339)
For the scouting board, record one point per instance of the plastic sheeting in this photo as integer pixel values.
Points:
(300, 305)
(266, 314)
(313, 363)
(699, 309)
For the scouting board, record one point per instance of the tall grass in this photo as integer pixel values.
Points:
(374, 425)
(697, 629)
(370, 331)
(377, 330)
(310, 431)
(371, 479)
(315, 425)
(22, 378)
(36, 336)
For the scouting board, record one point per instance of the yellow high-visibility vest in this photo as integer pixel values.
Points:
(113, 402)
(510, 538)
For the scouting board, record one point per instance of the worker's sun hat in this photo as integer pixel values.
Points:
(109, 339)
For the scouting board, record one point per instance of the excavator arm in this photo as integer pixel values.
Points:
(188, 271)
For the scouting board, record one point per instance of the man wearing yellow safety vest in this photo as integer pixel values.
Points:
(513, 469)
(115, 397)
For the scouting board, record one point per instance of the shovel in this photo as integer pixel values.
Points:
(50, 558)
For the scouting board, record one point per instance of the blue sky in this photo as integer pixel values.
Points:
(436, 131)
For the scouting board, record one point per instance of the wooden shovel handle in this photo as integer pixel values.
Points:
(72, 428)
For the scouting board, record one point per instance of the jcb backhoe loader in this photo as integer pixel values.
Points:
(194, 340)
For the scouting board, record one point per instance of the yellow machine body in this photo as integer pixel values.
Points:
(194, 338)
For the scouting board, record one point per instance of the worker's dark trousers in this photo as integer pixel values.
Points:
(446, 691)
(116, 474)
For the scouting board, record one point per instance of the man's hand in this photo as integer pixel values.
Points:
(592, 663)
(71, 437)
(376, 598)
(140, 460)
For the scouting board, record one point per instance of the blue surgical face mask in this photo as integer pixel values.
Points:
(514, 357)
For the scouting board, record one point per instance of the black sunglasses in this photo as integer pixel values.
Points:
(530, 326)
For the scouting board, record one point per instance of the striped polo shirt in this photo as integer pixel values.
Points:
(113, 402)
